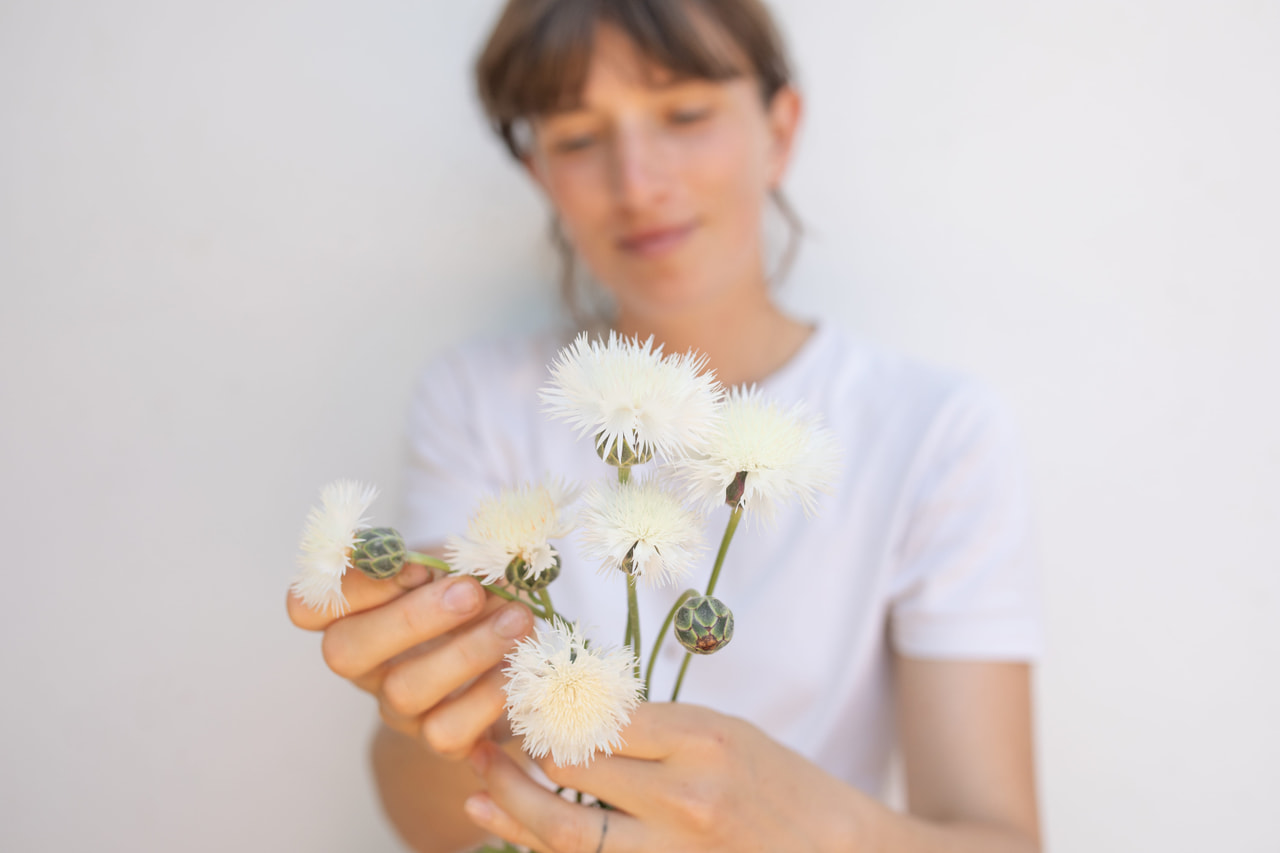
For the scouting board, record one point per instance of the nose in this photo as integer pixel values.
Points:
(641, 168)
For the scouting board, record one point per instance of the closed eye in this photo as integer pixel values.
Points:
(575, 143)
(689, 116)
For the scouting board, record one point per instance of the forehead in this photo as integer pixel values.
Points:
(615, 61)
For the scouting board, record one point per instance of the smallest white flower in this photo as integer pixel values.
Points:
(762, 456)
(326, 545)
(641, 527)
(567, 700)
(519, 523)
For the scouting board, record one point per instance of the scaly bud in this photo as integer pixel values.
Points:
(379, 552)
(704, 624)
(517, 574)
(733, 494)
(622, 453)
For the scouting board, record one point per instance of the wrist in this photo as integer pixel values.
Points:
(852, 822)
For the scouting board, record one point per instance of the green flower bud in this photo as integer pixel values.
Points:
(517, 575)
(704, 624)
(379, 553)
(622, 454)
(629, 560)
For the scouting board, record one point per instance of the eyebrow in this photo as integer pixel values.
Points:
(671, 82)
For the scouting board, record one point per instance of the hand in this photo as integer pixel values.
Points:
(686, 779)
(429, 651)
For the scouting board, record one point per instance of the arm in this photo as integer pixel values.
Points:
(689, 778)
(967, 739)
(966, 732)
(422, 793)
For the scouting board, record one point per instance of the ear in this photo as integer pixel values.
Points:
(785, 111)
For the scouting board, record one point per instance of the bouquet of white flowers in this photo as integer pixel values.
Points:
(568, 697)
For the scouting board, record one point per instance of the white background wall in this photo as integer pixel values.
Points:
(230, 232)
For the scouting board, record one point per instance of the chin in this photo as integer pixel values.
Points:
(666, 298)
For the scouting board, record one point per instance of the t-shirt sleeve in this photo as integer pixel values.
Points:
(966, 584)
(448, 468)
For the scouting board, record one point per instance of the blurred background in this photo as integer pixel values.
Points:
(230, 234)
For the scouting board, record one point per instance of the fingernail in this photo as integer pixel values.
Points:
(511, 621)
(462, 597)
(413, 575)
(478, 807)
(480, 759)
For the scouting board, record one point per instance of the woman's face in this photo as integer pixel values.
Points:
(660, 183)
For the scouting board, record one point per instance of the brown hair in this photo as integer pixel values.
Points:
(537, 57)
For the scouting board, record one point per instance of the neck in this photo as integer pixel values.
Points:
(744, 340)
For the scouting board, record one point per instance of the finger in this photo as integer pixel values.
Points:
(418, 684)
(356, 644)
(362, 593)
(453, 727)
(637, 786)
(371, 681)
(658, 729)
(484, 813)
(529, 811)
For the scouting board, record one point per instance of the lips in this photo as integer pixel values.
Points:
(652, 242)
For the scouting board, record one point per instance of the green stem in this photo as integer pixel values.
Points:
(680, 678)
(544, 595)
(662, 635)
(427, 560)
(734, 518)
(633, 608)
(544, 613)
(633, 619)
(502, 593)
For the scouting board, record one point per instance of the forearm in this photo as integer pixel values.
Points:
(422, 794)
(876, 828)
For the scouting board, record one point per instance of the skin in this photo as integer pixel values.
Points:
(693, 162)
(647, 151)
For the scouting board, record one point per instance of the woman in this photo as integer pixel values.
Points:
(659, 131)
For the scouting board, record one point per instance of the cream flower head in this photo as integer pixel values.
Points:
(640, 526)
(326, 545)
(567, 700)
(516, 523)
(761, 456)
(624, 390)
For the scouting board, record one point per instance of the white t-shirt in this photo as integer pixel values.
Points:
(923, 546)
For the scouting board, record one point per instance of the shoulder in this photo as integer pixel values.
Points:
(890, 396)
(491, 366)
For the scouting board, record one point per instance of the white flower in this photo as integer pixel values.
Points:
(517, 522)
(326, 545)
(781, 455)
(567, 700)
(643, 523)
(628, 390)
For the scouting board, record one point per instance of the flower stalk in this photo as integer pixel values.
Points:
(662, 635)
(684, 666)
(729, 530)
(548, 611)
(428, 561)
(633, 620)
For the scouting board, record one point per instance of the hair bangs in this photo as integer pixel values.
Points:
(537, 59)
